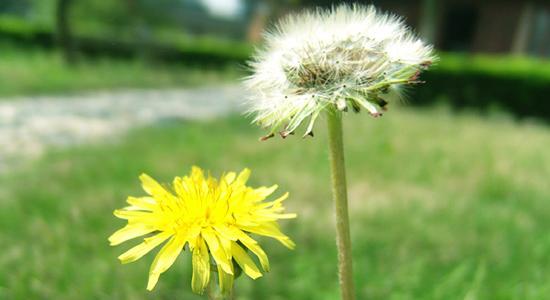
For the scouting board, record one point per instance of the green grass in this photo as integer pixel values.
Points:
(495, 65)
(29, 72)
(443, 207)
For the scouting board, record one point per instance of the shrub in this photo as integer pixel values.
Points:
(518, 85)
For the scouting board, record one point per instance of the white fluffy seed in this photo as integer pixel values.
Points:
(348, 56)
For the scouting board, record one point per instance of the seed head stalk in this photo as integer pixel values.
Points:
(339, 190)
(348, 58)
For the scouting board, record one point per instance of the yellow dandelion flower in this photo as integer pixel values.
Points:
(214, 218)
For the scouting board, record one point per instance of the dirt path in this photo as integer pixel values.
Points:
(28, 126)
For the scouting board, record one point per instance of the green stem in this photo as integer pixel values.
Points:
(339, 190)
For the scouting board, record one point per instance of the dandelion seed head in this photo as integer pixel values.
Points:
(348, 56)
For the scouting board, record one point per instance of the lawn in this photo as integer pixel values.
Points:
(26, 71)
(444, 206)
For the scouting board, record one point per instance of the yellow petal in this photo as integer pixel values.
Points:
(244, 261)
(274, 202)
(151, 186)
(129, 232)
(275, 216)
(153, 279)
(145, 203)
(243, 176)
(226, 245)
(196, 173)
(201, 268)
(229, 177)
(131, 207)
(287, 242)
(226, 232)
(271, 229)
(253, 246)
(128, 214)
(140, 250)
(217, 251)
(164, 259)
(264, 192)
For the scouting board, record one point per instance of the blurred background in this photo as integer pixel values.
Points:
(449, 193)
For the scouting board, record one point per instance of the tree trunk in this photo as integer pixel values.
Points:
(521, 38)
(64, 33)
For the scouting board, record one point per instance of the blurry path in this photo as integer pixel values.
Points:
(29, 125)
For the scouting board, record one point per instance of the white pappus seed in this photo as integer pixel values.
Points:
(347, 56)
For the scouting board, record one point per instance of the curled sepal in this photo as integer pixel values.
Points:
(309, 130)
(366, 104)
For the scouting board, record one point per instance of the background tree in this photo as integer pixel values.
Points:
(521, 38)
(64, 30)
(428, 20)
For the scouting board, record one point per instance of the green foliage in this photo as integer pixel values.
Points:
(495, 65)
(164, 44)
(516, 84)
(97, 18)
(111, 20)
(16, 26)
(125, 28)
(443, 207)
(24, 72)
(211, 48)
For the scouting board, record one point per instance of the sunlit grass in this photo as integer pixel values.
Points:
(443, 207)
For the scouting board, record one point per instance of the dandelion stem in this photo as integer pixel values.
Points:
(339, 190)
